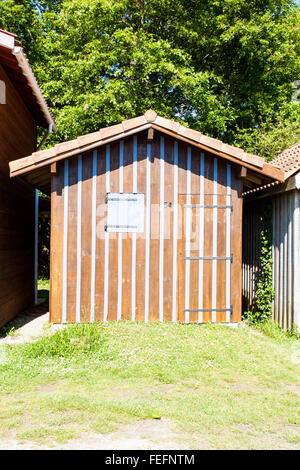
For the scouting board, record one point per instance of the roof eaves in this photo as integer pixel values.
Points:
(9, 41)
(149, 119)
(65, 150)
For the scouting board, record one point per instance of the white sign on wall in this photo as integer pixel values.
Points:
(125, 212)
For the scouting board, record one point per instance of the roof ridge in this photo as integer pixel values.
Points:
(151, 117)
(128, 127)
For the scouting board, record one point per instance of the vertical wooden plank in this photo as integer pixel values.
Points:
(168, 229)
(274, 255)
(100, 238)
(154, 232)
(188, 214)
(195, 232)
(296, 257)
(161, 227)
(208, 222)
(86, 216)
(93, 235)
(133, 236)
(113, 238)
(72, 242)
(107, 236)
(201, 238)
(236, 243)
(127, 237)
(65, 243)
(290, 262)
(148, 232)
(56, 256)
(221, 246)
(174, 233)
(182, 190)
(120, 235)
(181, 245)
(285, 258)
(228, 242)
(214, 241)
(281, 262)
(78, 234)
(141, 237)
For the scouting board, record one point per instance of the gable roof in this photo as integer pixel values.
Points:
(289, 160)
(138, 124)
(15, 63)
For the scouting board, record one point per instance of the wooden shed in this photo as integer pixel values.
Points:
(146, 222)
(22, 109)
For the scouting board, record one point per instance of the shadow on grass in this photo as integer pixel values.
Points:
(29, 314)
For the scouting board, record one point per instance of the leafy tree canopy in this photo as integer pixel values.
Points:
(224, 67)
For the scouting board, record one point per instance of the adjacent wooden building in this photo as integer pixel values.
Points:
(146, 222)
(283, 199)
(22, 109)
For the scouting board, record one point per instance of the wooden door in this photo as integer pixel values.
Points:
(204, 258)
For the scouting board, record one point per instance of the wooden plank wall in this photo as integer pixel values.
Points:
(17, 139)
(137, 276)
(285, 255)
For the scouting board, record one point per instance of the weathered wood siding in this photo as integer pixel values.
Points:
(17, 139)
(252, 227)
(96, 275)
(286, 253)
(286, 259)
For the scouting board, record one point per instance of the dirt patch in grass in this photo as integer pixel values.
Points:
(122, 392)
(243, 387)
(48, 388)
(294, 388)
(142, 435)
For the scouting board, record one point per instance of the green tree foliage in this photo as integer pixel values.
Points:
(21, 18)
(224, 67)
(272, 136)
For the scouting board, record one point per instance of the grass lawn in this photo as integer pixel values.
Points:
(217, 387)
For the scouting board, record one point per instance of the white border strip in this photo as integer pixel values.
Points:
(228, 217)
(188, 236)
(93, 250)
(133, 257)
(201, 240)
(120, 248)
(79, 201)
(161, 229)
(65, 242)
(148, 202)
(106, 255)
(215, 243)
(175, 233)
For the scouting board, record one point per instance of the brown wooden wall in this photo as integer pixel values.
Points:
(17, 139)
(119, 281)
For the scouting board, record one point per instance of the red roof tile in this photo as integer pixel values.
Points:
(289, 160)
